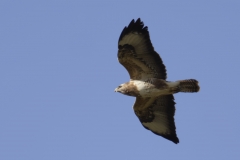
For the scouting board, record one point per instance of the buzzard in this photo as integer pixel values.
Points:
(154, 105)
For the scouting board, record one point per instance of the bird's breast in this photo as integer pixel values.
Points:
(148, 89)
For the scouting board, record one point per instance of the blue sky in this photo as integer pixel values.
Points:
(59, 69)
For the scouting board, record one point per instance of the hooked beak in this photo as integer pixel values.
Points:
(116, 90)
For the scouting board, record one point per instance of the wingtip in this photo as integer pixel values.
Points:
(172, 138)
(134, 26)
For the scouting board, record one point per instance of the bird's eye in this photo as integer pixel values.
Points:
(119, 86)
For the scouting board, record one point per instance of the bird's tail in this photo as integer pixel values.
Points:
(189, 85)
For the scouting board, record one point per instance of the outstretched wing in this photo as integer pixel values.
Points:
(157, 115)
(137, 55)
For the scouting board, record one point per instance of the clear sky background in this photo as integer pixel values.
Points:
(59, 69)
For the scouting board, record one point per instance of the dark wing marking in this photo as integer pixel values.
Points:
(157, 115)
(137, 55)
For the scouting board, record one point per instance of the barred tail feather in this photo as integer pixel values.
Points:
(189, 85)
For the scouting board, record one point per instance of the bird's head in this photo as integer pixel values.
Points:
(121, 89)
(125, 89)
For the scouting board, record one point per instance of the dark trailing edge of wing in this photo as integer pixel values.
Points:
(138, 27)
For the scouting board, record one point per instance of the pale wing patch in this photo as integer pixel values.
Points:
(159, 125)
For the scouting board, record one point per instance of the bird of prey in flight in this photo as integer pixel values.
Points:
(154, 104)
